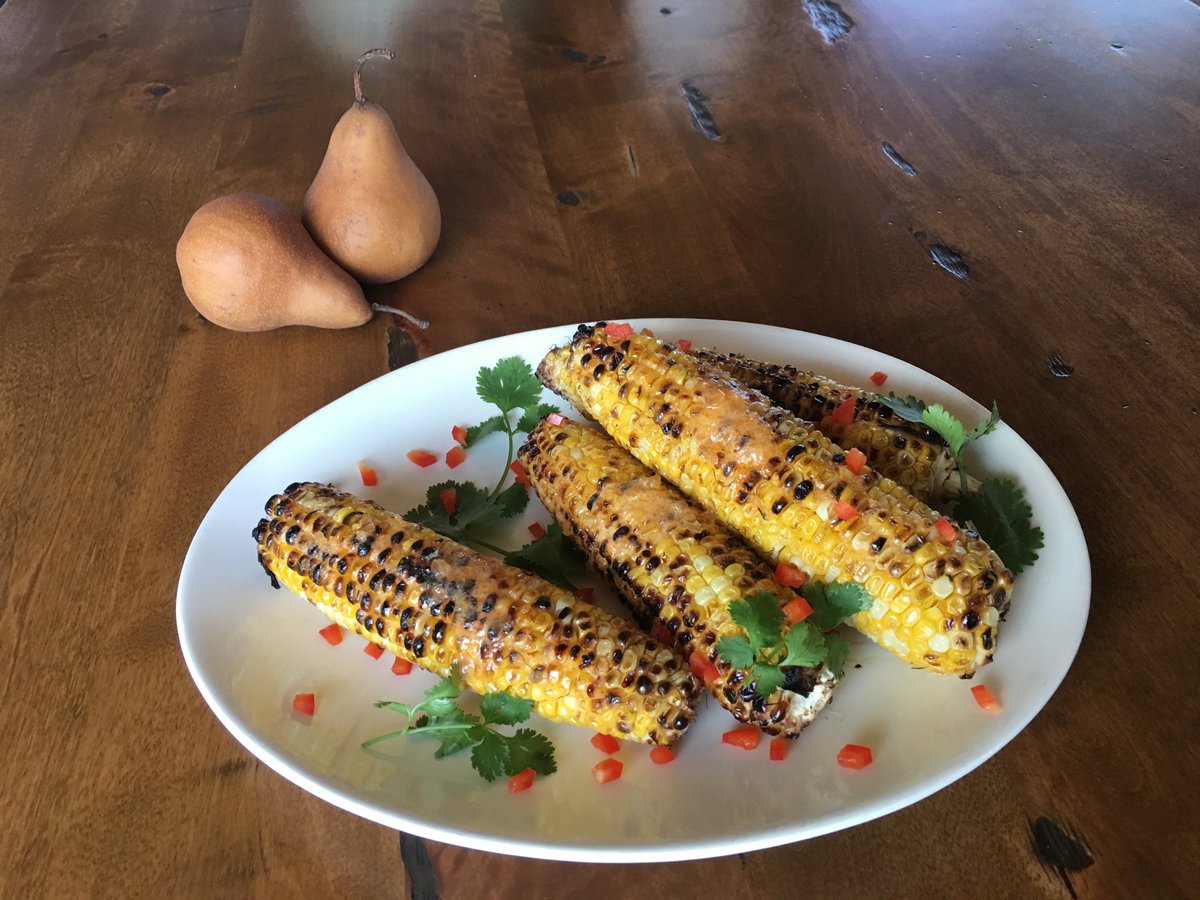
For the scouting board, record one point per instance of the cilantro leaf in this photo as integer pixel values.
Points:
(767, 679)
(490, 756)
(805, 646)
(529, 749)
(760, 617)
(833, 603)
(985, 427)
(510, 384)
(911, 408)
(1001, 515)
(476, 433)
(473, 507)
(736, 651)
(503, 708)
(534, 414)
(551, 557)
(941, 420)
(447, 689)
(511, 501)
(837, 648)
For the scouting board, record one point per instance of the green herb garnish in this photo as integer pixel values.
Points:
(493, 753)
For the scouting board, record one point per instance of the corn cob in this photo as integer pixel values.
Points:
(907, 452)
(785, 488)
(441, 606)
(668, 560)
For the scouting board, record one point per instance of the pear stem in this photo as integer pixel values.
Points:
(370, 54)
(420, 323)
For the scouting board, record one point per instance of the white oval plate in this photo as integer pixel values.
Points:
(250, 648)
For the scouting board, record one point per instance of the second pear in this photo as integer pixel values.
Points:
(370, 207)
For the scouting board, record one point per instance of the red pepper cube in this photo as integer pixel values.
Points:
(585, 594)
(987, 700)
(845, 511)
(607, 770)
(855, 460)
(520, 476)
(789, 575)
(522, 781)
(647, 332)
(305, 704)
(332, 633)
(684, 345)
(455, 457)
(879, 378)
(367, 474)
(556, 419)
(662, 634)
(779, 749)
(459, 434)
(797, 610)
(449, 498)
(401, 666)
(702, 667)
(854, 756)
(606, 743)
(745, 738)
(537, 530)
(945, 529)
(373, 650)
(844, 414)
(422, 458)
(660, 756)
(618, 330)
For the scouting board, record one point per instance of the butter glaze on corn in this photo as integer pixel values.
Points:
(440, 605)
(907, 452)
(668, 560)
(776, 482)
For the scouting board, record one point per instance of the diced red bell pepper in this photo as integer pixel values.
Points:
(332, 633)
(401, 666)
(556, 419)
(660, 756)
(369, 478)
(987, 700)
(459, 434)
(797, 610)
(745, 738)
(855, 460)
(946, 530)
(702, 667)
(537, 530)
(449, 498)
(779, 749)
(661, 633)
(879, 378)
(684, 345)
(422, 458)
(789, 575)
(606, 743)
(854, 756)
(373, 650)
(519, 473)
(618, 329)
(522, 781)
(455, 457)
(305, 704)
(647, 332)
(845, 511)
(844, 414)
(607, 770)
(585, 594)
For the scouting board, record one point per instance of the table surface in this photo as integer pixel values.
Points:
(1052, 149)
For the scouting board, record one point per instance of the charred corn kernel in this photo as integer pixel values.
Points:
(768, 476)
(907, 452)
(668, 560)
(441, 606)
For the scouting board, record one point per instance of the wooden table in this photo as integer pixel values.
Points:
(971, 186)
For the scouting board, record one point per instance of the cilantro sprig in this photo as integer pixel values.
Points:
(768, 647)
(512, 388)
(493, 753)
(997, 509)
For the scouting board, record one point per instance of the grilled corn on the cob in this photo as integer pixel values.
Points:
(668, 560)
(440, 605)
(907, 452)
(785, 488)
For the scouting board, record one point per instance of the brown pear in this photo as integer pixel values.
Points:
(369, 207)
(248, 264)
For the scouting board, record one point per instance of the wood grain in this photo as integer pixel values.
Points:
(1053, 146)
